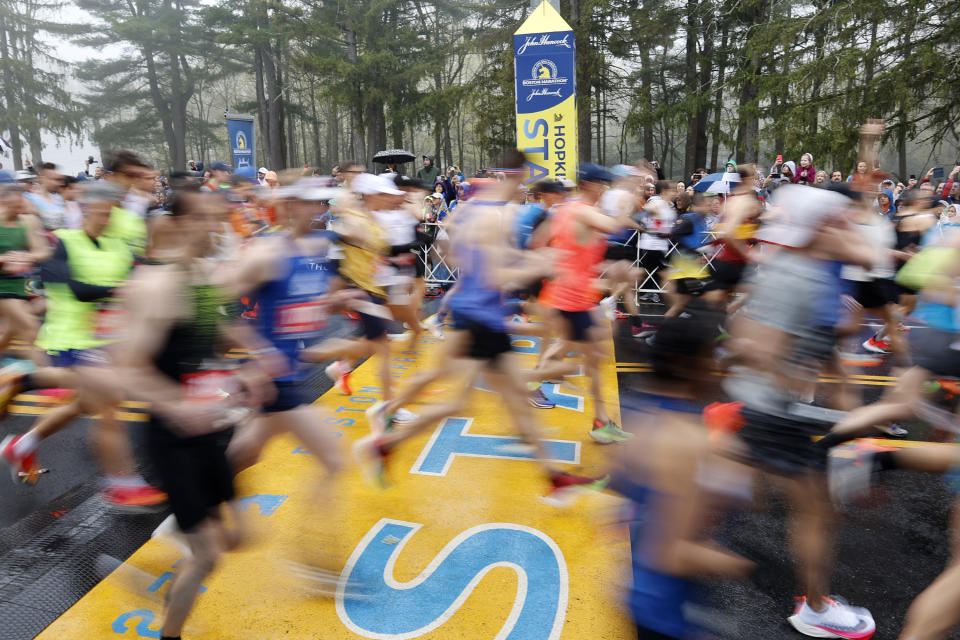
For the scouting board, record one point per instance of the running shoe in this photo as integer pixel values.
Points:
(403, 416)
(609, 307)
(340, 375)
(23, 467)
(877, 346)
(645, 330)
(133, 498)
(539, 401)
(380, 421)
(564, 488)
(894, 430)
(649, 297)
(372, 458)
(608, 433)
(621, 315)
(837, 619)
(434, 326)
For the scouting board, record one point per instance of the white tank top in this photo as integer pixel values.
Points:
(399, 227)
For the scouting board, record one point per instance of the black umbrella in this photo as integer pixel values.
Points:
(394, 156)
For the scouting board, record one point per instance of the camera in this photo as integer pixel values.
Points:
(90, 160)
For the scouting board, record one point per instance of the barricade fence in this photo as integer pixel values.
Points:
(438, 271)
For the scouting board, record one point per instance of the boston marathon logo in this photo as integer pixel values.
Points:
(543, 40)
(544, 80)
(241, 141)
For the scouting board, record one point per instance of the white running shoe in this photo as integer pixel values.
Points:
(403, 416)
(434, 326)
(837, 619)
(609, 307)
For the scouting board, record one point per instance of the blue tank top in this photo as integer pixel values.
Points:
(475, 298)
(528, 218)
(657, 599)
(288, 314)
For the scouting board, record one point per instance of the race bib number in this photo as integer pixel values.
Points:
(300, 319)
(109, 323)
(207, 386)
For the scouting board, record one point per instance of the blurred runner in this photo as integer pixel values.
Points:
(83, 280)
(781, 347)
(22, 246)
(479, 342)
(170, 360)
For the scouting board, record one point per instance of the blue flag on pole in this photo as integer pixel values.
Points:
(240, 129)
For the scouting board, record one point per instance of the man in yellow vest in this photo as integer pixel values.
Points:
(82, 280)
(128, 172)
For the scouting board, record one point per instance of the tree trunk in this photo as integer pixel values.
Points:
(266, 143)
(691, 80)
(704, 83)
(277, 152)
(356, 113)
(315, 127)
(718, 101)
(161, 104)
(10, 98)
(584, 79)
(646, 100)
(332, 128)
(748, 128)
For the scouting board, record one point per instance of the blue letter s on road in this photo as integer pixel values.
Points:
(391, 610)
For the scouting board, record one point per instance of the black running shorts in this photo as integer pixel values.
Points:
(194, 472)
(485, 343)
(578, 324)
(783, 445)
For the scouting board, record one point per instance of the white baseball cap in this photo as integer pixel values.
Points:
(369, 184)
(262, 170)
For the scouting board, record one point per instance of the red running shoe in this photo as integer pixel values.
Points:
(133, 498)
(23, 468)
(877, 346)
(564, 488)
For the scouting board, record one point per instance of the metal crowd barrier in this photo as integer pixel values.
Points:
(438, 271)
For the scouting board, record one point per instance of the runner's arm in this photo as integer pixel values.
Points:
(254, 268)
(57, 269)
(151, 305)
(37, 244)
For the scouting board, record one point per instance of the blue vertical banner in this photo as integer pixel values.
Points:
(240, 129)
(544, 62)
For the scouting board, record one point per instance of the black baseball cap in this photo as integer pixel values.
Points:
(549, 186)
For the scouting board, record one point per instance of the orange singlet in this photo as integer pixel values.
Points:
(574, 288)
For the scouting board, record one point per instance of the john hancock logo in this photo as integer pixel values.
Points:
(544, 80)
(543, 40)
(241, 142)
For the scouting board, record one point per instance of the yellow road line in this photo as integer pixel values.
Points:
(33, 410)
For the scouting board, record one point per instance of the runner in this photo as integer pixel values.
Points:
(169, 359)
(82, 281)
(688, 277)
(22, 246)
(479, 342)
(580, 230)
(735, 230)
(779, 345)
(363, 247)
(671, 479)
